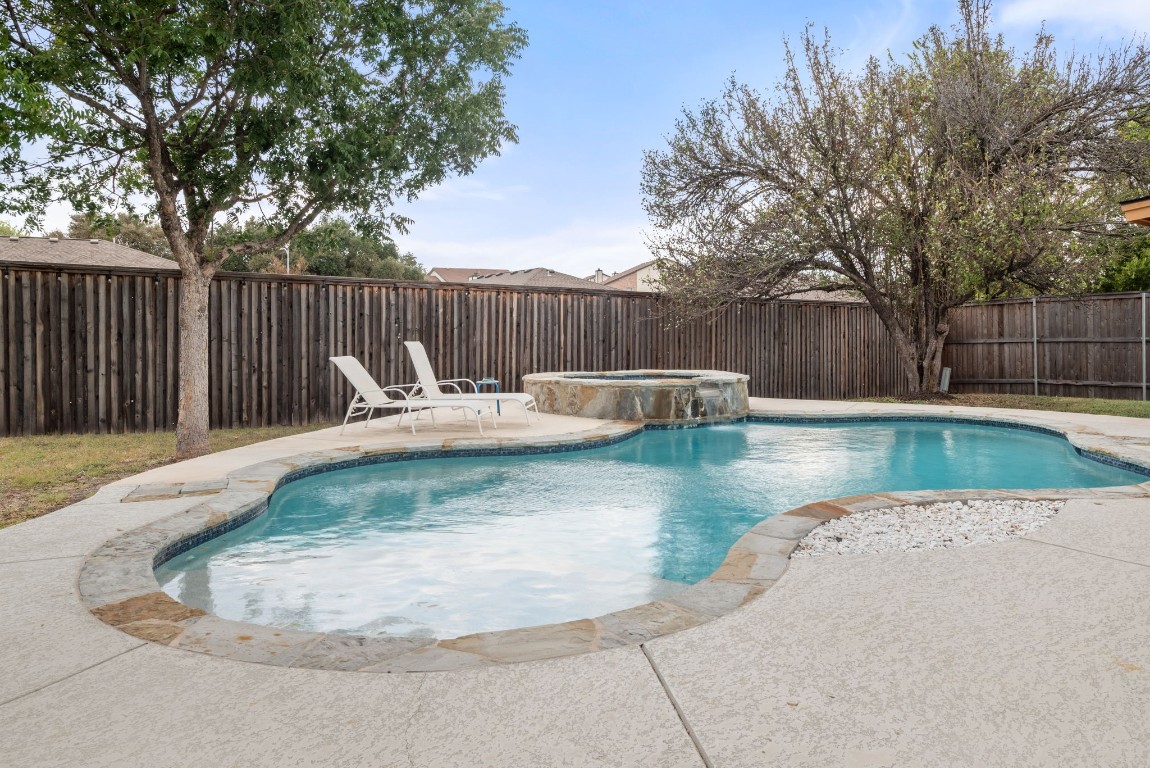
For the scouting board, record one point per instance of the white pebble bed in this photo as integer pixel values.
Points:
(929, 526)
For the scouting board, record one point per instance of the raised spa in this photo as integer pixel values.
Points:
(643, 395)
(446, 546)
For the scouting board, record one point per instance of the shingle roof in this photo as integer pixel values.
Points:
(101, 253)
(830, 297)
(628, 280)
(460, 274)
(632, 270)
(816, 294)
(538, 277)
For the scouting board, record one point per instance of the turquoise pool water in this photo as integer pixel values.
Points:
(444, 547)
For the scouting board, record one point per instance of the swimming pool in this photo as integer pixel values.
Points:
(444, 547)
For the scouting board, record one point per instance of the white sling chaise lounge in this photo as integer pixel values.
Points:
(369, 396)
(429, 386)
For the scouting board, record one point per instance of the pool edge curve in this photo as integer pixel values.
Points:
(118, 585)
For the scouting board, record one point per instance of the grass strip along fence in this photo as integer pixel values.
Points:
(1093, 346)
(94, 350)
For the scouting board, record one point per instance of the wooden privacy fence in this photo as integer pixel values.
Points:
(1089, 347)
(94, 350)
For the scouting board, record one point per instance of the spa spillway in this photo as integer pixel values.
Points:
(645, 395)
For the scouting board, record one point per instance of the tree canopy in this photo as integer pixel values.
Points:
(124, 228)
(330, 247)
(964, 170)
(210, 109)
(1129, 267)
(216, 106)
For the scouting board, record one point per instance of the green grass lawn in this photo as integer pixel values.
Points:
(1136, 408)
(43, 473)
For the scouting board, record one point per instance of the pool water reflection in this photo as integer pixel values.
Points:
(444, 547)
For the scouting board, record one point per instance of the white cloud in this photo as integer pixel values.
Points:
(1120, 17)
(457, 189)
(878, 30)
(577, 249)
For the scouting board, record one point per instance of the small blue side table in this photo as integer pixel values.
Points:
(487, 381)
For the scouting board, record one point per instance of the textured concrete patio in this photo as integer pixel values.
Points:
(1033, 652)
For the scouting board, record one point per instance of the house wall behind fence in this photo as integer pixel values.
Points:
(85, 350)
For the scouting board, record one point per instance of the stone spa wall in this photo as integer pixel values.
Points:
(645, 395)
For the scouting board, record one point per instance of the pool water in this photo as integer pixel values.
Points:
(444, 547)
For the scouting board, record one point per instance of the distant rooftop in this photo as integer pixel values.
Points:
(629, 279)
(459, 274)
(538, 277)
(836, 297)
(816, 294)
(86, 253)
(1137, 211)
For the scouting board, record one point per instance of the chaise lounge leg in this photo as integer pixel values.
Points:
(347, 415)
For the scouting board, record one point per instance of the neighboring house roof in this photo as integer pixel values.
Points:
(629, 279)
(1137, 211)
(817, 294)
(538, 277)
(831, 297)
(630, 271)
(459, 274)
(86, 253)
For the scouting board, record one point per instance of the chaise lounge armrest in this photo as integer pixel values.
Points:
(454, 384)
(406, 391)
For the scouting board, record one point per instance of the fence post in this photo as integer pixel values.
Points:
(1034, 337)
(1143, 345)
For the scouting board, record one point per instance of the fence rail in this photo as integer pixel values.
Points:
(94, 350)
(1093, 346)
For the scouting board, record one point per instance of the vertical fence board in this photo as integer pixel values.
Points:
(94, 350)
(1087, 347)
(5, 346)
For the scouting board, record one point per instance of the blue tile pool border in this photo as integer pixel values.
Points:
(179, 547)
(119, 588)
(182, 546)
(207, 534)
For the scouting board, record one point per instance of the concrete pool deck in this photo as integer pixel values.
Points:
(1034, 651)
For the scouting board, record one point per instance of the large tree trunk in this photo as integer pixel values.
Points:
(930, 370)
(192, 427)
(921, 358)
(918, 347)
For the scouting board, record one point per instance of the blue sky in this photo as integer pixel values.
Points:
(601, 81)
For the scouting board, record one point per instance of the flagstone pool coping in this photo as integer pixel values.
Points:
(117, 582)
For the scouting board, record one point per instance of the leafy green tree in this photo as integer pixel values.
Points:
(123, 228)
(331, 247)
(963, 171)
(1129, 267)
(225, 237)
(209, 108)
(1127, 258)
(7, 230)
(334, 248)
